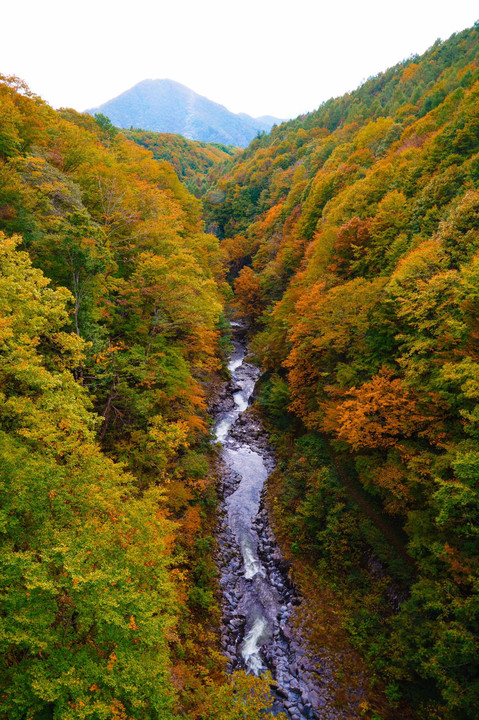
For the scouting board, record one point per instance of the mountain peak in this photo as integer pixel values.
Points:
(164, 105)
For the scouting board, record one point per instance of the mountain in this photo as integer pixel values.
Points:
(168, 106)
(352, 237)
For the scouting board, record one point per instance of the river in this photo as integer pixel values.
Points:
(258, 597)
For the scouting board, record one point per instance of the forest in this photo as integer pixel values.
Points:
(348, 238)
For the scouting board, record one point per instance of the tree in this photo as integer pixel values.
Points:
(379, 414)
(249, 294)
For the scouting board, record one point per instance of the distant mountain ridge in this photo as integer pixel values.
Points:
(169, 106)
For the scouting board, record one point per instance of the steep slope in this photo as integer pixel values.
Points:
(169, 107)
(110, 301)
(353, 234)
(192, 160)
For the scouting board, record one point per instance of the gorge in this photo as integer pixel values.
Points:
(259, 598)
(143, 468)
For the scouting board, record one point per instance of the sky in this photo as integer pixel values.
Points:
(262, 57)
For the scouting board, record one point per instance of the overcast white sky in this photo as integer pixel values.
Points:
(272, 57)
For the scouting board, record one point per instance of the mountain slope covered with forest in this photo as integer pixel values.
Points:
(192, 160)
(111, 301)
(352, 237)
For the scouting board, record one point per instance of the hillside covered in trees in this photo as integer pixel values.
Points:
(352, 236)
(111, 301)
(351, 239)
(193, 161)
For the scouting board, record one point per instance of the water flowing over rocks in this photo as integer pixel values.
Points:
(259, 599)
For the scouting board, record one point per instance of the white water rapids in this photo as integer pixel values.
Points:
(243, 504)
(258, 597)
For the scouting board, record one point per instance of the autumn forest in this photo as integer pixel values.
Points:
(346, 243)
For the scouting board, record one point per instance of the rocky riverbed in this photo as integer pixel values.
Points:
(259, 599)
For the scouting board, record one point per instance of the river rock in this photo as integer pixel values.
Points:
(301, 685)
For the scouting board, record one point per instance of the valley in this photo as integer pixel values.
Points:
(239, 408)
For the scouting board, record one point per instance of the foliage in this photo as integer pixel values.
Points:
(191, 159)
(353, 236)
(108, 335)
(86, 593)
